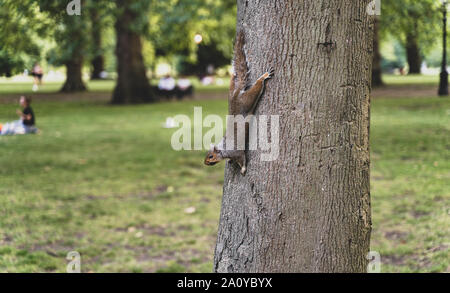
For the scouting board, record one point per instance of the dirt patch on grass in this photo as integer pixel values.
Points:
(417, 261)
(419, 214)
(440, 247)
(146, 230)
(6, 240)
(53, 249)
(396, 235)
(142, 195)
(395, 260)
(184, 228)
(185, 258)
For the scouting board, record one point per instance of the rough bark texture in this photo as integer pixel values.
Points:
(413, 54)
(74, 79)
(132, 83)
(376, 64)
(98, 63)
(309, 210)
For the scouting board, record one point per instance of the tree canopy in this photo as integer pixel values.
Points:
(34, 30)
(415, 24)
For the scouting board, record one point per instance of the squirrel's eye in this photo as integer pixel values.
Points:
(211, 156)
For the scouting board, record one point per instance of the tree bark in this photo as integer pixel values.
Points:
(377, 79)
(98, 64)
(413, 54)
(74, 76)
(309, 210)
(132, 83)
(73, 44)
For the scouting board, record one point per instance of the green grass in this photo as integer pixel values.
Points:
(21, 87)
(413, 79)
(410, 183)
(7, 87)
(104, 181)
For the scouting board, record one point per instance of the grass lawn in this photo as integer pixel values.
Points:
(21, 87)
(413, 79)
(104, 181)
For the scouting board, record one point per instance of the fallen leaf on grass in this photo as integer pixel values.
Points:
(190, 210)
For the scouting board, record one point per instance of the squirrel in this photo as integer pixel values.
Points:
(242, 100)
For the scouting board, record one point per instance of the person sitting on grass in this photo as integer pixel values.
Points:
(166, 86)
(26, 123)
(184, 87)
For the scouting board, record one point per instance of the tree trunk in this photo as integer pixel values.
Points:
(74, 79)
(309, 210)
(132, 83)
(97, 67)
(376, 66)
(98, 60)
(413, 54)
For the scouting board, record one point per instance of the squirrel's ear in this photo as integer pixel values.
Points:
(212, 147)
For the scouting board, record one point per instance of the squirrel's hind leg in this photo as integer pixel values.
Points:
(242, 162)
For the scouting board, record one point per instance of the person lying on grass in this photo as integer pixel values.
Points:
(26, 122)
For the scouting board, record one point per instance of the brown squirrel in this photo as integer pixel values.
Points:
(242, 101)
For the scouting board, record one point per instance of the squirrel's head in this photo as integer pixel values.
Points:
(213, 157)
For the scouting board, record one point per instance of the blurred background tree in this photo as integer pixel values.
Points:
(101, 20)
(376, 62)
(189, 37)
(22, 28)
(132, 82)
(415, 24)
(177, 23)
(70, 34)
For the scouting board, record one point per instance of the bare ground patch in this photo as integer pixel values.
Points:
(141, 195)
(396, 235)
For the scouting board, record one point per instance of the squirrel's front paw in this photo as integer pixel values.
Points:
(269, 73)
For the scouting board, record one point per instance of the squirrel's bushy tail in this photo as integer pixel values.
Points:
(240, 61)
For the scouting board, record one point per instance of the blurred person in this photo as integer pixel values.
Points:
(207, 80)
(37, 73)
(184, 87)
(167, 83)
(166, 86)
